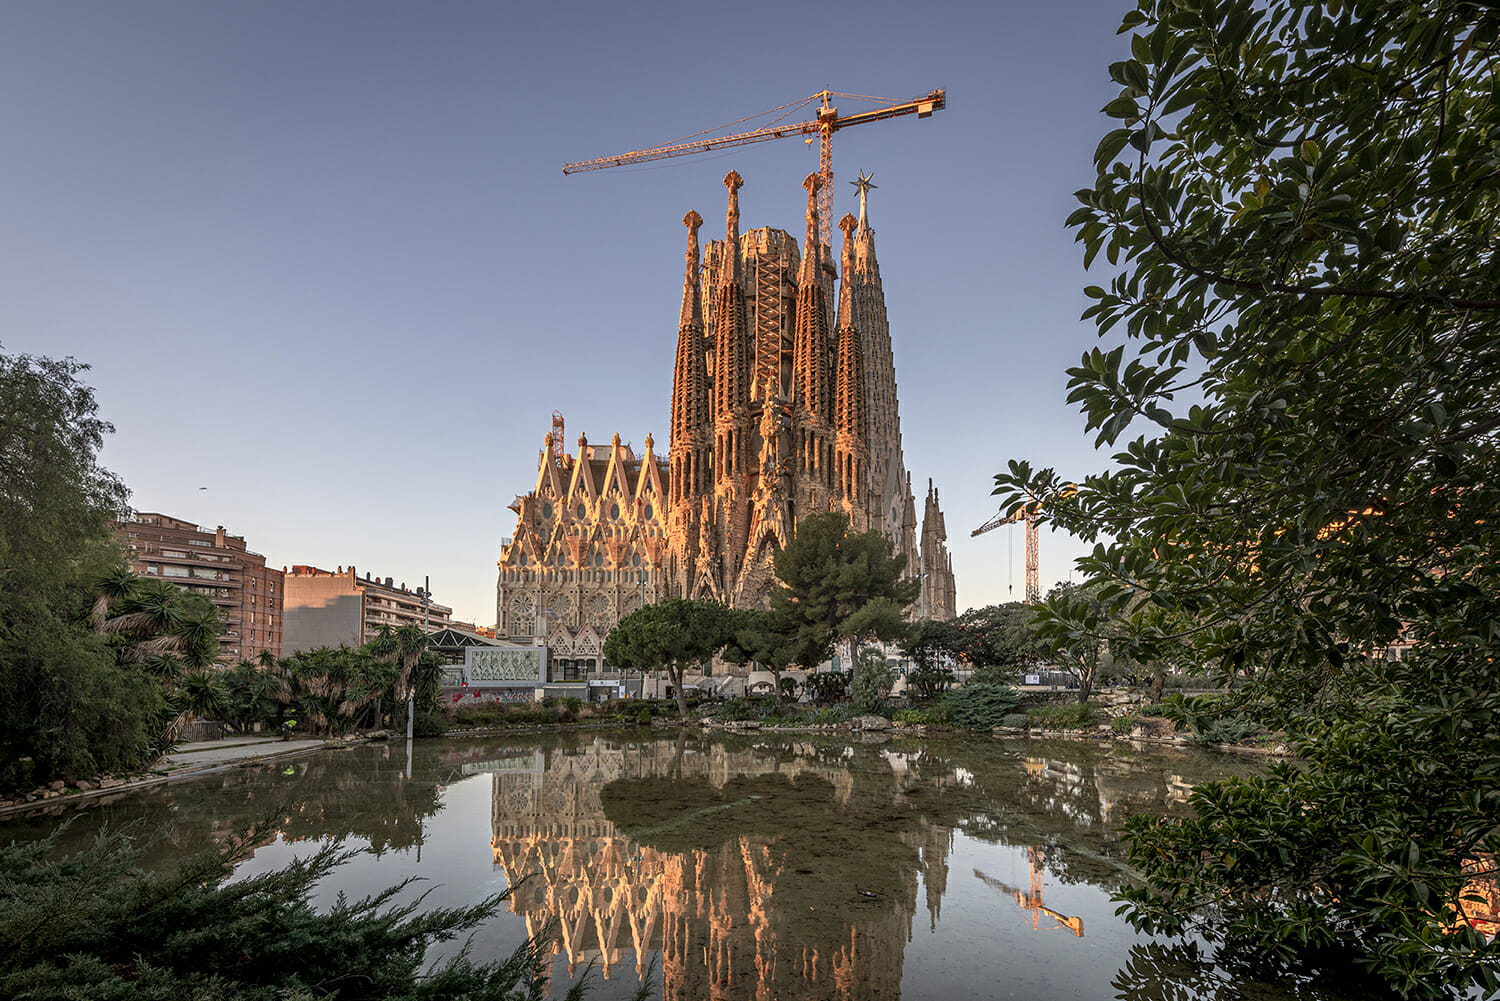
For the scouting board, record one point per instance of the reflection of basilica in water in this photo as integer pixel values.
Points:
(738, 867)
(729, 920)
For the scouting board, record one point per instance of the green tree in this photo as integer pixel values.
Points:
(170, 634)
(403, 649)
(66, 711)
(332, 689)
(764, 638)
(1301, 200)
(840, 585)
(872, 682)
(251, 695)
(672, 635)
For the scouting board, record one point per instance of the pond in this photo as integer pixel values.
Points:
(736, 866)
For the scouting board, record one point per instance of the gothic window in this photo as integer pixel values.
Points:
(614, 510)
(560, 607)
(522, 615)
(547, 511)
(599, 611)
(583, 511)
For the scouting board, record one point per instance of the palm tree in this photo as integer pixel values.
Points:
(403, 648)
(161, 630)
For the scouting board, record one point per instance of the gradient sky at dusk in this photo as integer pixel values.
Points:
(324, 262)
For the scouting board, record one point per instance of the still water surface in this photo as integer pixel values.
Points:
(738, 867)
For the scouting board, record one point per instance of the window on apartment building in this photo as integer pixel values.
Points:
(205, 572)
(179, 554)
(153, 568)
(174, 571)
(200, 542)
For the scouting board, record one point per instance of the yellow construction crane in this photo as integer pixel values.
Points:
(1033, 575)
(1031, 898)
(826, 122)
(1029, 513)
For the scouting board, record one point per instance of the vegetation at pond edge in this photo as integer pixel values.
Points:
(1302, 332)
(95, 925)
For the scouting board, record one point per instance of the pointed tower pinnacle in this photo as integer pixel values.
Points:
(690, 389)
(812, 251)
(850, 413)
(864, 184)
(733, 181)
(731, 345)
(810, 348)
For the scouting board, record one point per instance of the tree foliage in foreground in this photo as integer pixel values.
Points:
(65, 709)
(94, 926)
(1302, 203)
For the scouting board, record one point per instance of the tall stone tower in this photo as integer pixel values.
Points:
(802, 414)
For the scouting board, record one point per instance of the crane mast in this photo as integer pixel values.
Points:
(1033, 572)
(823, 125)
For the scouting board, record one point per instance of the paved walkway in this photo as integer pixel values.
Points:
(207, 753)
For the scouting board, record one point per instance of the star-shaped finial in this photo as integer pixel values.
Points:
(864, 184)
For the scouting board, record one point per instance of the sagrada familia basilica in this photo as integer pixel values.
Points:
(782, 407)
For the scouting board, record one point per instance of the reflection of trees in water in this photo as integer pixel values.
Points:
(1185, 971)
(359, 793)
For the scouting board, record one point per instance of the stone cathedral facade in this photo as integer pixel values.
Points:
(783, 405)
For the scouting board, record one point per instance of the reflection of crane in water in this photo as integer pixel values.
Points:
(1031, 899)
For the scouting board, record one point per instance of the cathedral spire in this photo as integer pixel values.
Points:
(810, 354)
(850, 415)
(733, 181)
(850, 412)
(690, 389)
(812, 250)
(731, 336)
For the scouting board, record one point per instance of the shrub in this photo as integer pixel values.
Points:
(828, 687)
(979, 706)
(98, 925)
(428, 724)
(1122, 724)
(1016, 721)
(1229, 730)
(841, 713)
(1065, 716)
(738, 710)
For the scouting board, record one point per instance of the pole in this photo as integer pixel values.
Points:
(410, 701)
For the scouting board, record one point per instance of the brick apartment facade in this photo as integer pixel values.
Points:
(219, 566)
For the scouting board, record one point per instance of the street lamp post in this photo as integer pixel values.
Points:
(426, 594)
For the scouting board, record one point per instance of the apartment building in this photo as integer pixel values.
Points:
(219, 566)
(334, 607)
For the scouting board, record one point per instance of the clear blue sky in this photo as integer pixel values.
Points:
(324, 262)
